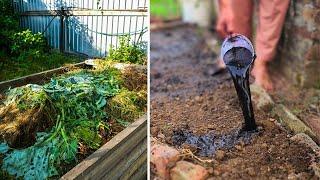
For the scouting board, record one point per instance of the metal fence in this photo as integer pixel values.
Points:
(88, 27)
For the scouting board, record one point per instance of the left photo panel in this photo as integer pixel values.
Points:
(73, 89)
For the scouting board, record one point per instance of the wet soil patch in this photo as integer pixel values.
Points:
(204, 110)
(205, 145)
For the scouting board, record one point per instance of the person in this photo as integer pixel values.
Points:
(235, 16)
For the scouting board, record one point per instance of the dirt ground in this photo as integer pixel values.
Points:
(191, 109)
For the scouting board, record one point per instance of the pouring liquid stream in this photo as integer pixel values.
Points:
(238, 62)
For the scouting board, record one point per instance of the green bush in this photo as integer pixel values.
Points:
(25, 44)
(9, 24)
(128, 52)
(14, 42)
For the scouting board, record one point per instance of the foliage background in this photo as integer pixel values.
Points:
(23, 52)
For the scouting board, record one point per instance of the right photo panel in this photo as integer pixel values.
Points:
(234, 89)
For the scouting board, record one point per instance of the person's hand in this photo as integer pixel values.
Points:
(221, 27)
(224, 19)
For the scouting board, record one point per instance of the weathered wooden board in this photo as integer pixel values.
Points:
(123, 157)
(37, 78)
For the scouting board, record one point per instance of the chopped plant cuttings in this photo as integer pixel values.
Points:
(44, 127)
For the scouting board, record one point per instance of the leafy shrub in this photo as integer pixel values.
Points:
(22, 44)
(128, 52)
(26, 44)
(9, 23)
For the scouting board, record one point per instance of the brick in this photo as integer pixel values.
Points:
(162, 158)
(185, 170)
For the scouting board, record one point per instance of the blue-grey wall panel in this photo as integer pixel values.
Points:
(91, 34)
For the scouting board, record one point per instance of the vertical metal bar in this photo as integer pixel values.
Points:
(69, 36)
(35, 24)
(135, 31)
(87, 33)
(52, 33)
(82, 30)
(92, 47)
(28, 22)
(142, 27)
(101, 30)
(118, 27)
(97, 23)
(49, 31)
(112, 25)
(124, 17)
(40, 23)
(78, 30)
(61, 30)
(65, 33)
(107, 28)
(77, 36)
(130, 20)
(20, 6)
(73, 34)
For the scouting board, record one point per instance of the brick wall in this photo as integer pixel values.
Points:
(299, 47)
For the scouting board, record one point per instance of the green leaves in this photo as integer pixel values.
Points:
(25, 44)
(34, 162)
(4, 148)
(128, 52)
(79, 100)
(29, 96)
(41, 160)
(82, 102)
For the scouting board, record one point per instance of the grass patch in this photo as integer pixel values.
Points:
(165, 9)
(127, 105)
(12, 68)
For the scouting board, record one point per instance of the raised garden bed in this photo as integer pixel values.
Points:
(124, 152)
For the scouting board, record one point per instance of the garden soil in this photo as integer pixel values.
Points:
(195, 111)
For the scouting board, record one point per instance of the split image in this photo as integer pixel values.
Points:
(159, 89)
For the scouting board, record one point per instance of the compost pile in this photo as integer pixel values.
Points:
(47, 127)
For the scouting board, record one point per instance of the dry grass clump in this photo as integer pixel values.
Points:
(27, 113)
(135, 78)
(127, 105)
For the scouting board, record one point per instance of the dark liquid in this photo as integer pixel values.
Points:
(238, 62)
(207, 144)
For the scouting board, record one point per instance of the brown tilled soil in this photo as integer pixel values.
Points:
(190, 109)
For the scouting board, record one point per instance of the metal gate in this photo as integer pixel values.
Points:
(88, 27)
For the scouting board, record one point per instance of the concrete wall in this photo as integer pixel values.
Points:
(299, 47)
